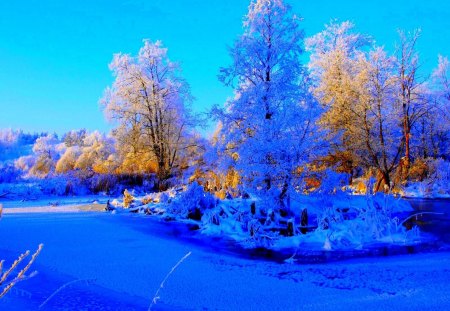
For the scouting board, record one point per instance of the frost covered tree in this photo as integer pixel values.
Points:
(150, 101)
(74, 138)
(411, 93)
(95, 154)
(267, 127)
(68, 159)
(134, 157)
(25, 163)
(46, 155)
(358, 85)
(380, 140)
(9, 137)
(336, 54)
(438, 119)
(441, 79)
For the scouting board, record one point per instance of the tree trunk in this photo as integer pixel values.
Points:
(407, 148)
(384, 178)
(268, 182)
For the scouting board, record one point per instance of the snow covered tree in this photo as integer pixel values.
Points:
(74, 138)
(438, 119)
(46, 155)
(358, 85)
(132, 154)
(411, 98)
(25, 163)
(71, 150)
(149, 99)
(96, 150)
(334, 66)
(379, 142)
(441, 77)
(9, 137)
(67, 161)
(267, 127)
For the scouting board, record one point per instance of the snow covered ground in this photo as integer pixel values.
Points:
(117, 262)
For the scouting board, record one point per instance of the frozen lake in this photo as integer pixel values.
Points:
(117, 262)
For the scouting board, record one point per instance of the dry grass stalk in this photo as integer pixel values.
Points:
(21, 275)
(156, 297)
(127, 199)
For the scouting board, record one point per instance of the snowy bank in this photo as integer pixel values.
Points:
(329, 222)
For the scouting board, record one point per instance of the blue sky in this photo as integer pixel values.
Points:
(54, 54)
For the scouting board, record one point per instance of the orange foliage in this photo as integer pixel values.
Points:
(141, 163)
(127, 199)
(419, 170)
(219, 184)
(312, 182)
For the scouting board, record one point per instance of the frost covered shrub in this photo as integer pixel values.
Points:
(8, 137)
(67, 161)
(14, 144)
(371, 223)
(332, 182)
(436, 184)
(439, 170)
(328, 215)
(62, 185)
(32, 188)
(21, 190)
(211, 217)
(8, 173)
(419, 170)
(127, 199)
(54, 186)
(46, 154)
(25, 163)
(103, 183)
(7, 282)
(377, 217)
(42, 167)
(439, 177)
(193, 202)
(257, 236)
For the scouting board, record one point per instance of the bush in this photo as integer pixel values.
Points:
(439, 170)
(8, 173)
(103, 183)
(193, 202)
(62, 185)
(332, 182)
(419, 170)
(371, 223)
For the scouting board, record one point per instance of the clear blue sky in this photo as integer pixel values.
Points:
(54, 54)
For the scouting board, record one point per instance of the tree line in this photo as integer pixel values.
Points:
(354, 108)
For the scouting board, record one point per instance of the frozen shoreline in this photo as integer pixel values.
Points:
(70, 208)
